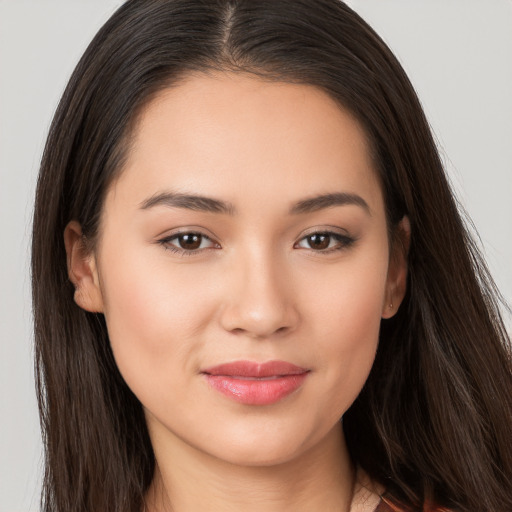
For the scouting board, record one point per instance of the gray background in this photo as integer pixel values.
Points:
(458, 54)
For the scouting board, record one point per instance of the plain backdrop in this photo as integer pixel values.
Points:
(458, 54)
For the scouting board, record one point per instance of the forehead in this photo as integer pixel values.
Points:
(227, 134)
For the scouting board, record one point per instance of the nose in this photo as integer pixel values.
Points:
(260, 300)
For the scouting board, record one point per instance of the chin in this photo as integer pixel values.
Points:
(270, 445)
(258, 455)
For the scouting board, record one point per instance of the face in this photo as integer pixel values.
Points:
(243, 266)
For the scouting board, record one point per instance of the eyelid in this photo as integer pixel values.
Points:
(325, 229)
(184, 230)
(165, 241)
(345, 240)
(341, 235)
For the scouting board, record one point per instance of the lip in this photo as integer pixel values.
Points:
(253, 383)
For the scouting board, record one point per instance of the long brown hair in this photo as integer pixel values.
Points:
(434, 420)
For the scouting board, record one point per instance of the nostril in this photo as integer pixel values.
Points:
(254, 334)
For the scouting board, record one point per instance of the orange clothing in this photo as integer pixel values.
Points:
(369, 496)
(386, 505)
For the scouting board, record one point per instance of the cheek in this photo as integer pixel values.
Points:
(152, 316)
(348, 299)
(348, 310)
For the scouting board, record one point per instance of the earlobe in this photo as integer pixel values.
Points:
(398, 269)
(82, 270)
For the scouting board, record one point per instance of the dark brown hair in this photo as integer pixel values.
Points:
(434, 420)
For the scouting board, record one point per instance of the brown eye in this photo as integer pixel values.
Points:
(325, 242)
(319, 241)
(190, 241)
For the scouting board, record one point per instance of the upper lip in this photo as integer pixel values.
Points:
(254, 369)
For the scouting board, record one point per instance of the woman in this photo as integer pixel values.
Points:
(250, 273)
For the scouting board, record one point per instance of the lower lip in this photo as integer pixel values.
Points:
(258, 391)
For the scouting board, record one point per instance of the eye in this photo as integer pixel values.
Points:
(325, 241)
(188, 242)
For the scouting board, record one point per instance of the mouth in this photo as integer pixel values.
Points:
(253, 383)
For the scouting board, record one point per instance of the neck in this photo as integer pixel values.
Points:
(187, 479)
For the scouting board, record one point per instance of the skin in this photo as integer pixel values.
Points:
(256, 289)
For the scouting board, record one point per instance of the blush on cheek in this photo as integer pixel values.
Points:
(355, 303)
(354, 360)
(151, 325)
(352, 318)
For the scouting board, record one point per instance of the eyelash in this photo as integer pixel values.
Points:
(166, 243)
(344, 242)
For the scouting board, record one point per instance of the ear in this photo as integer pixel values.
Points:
(82, 269)
(396, 285)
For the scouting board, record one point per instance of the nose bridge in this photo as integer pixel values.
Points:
(260, 294)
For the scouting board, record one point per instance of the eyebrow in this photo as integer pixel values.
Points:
(188, 202)
(320, 202)
(211, 205)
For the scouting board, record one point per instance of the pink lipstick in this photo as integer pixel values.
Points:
(256, 383)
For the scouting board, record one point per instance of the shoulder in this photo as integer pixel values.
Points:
(370, 496)
(387, 505)
(367, 494)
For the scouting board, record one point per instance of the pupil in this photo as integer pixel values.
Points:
(319, 241)
(192, 241)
